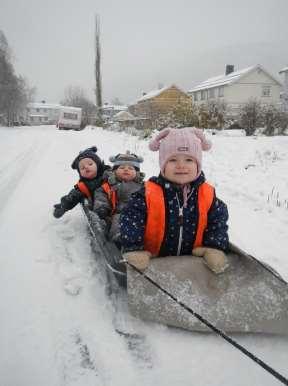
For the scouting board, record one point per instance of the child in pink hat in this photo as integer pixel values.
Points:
(178, 212)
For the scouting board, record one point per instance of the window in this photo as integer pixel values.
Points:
(221, 91)
(37, 110)
(266, 91)
(211, 93)
(203, 95)
(195, 96)
(73, 116)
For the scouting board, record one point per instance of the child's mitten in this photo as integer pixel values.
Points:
(215, 259)
(140, 259)
(58, 211)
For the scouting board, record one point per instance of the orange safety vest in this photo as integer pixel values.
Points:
(155, 225)
(83, 188)
(111, 195)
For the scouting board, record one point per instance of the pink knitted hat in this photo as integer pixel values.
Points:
(188, 140)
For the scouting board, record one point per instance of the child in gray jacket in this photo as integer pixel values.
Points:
(110, 199)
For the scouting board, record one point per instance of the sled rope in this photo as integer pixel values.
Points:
(218, 331)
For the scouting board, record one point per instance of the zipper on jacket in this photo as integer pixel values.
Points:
(180, 221)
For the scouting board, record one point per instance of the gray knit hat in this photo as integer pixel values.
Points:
(126, 159)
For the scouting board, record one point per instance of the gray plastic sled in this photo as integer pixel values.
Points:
(248, 297)
(110, 254)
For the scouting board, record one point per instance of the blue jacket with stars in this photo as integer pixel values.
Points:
(133, 220)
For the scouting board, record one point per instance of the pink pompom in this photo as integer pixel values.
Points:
(154, 144)
(205, 143)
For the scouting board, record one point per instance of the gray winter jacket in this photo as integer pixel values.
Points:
(103, 205)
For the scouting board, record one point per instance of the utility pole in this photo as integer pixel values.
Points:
(98, 79)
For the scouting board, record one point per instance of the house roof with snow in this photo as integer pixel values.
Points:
(124, 116)
(233, 77)
(114, 107)
(285, 69)
(40, 105)
(154, 93)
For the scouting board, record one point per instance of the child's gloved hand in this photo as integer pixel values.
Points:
(58, 211)
(215, 259)
(140, 259)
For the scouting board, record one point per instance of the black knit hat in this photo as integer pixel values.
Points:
(89, 153)
(126, 159)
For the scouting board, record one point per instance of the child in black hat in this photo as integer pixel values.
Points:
(112, 197)
(90, 168)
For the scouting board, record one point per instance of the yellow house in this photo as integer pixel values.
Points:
(158, 102)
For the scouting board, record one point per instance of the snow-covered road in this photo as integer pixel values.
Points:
(56, 319)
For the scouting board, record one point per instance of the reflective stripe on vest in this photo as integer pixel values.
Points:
(83, 188)
(111, 195)
(155, 224)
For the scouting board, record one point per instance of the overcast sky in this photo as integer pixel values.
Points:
(144, 43)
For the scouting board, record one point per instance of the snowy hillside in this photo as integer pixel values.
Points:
(57, 325)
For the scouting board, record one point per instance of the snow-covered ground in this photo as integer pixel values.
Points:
(56, 320)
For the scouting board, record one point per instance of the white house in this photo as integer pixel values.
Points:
(110, 110)
(284, 93)
(237, 87)
(42, 113)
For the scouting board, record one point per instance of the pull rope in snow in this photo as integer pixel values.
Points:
(218, 331)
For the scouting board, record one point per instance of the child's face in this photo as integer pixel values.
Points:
(125, 173)
(180, 169)
(87, 168)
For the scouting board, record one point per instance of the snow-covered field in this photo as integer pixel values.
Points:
(56, 320)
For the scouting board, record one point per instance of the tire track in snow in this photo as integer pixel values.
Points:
(13, 172)
(83, 352)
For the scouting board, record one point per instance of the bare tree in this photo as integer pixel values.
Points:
(272, 119)
(203, 115)
(4, 47)
(283, 122)
(75, 96)
(13, 89)
(116, 102)
(212, 114)
(98, 79)
(185, 114)
(250, 116)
